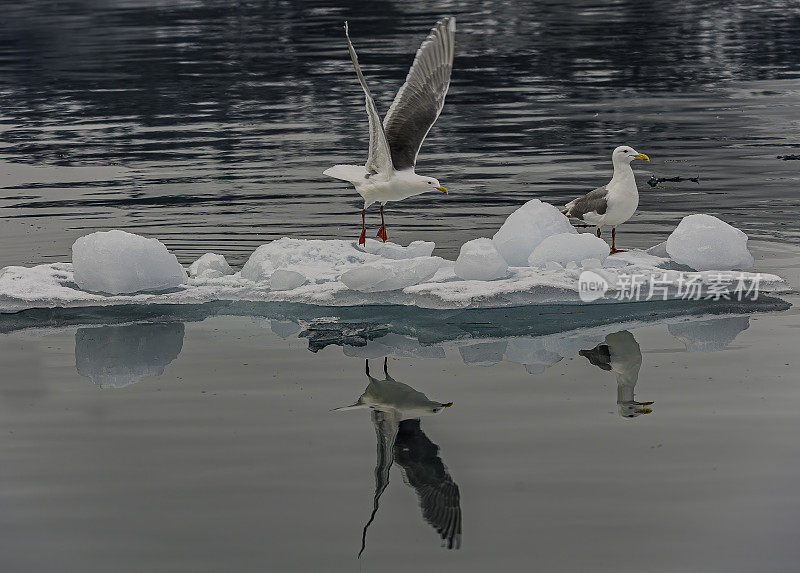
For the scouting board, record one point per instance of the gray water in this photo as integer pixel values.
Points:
(203, 438)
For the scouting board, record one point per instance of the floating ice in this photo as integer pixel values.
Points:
(526, 227)
(337, 273)
(117, 356)
(704, 242)
(285, 279)
(210, 266)
(116, 262)
(564, 248)
(394, 275)
(480, 260)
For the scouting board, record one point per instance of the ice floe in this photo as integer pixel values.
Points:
(554, 267)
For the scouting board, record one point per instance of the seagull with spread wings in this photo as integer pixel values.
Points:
(388, 175)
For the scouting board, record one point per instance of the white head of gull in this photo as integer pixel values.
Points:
(613, 203)
(388, 175)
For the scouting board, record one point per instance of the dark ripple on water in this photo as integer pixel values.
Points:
(208, 125)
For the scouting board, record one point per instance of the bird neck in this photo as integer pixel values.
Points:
(622, 173)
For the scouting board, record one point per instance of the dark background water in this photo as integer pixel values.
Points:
(208, 124)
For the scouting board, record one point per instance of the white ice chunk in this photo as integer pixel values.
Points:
(210, 265)
(391, 250)
(286, 279)
(565, 248)
(659, 250)
(117, 356)
(321, 260)
(480, 260)
(704, 242)
(526, 227)
(116, 262)
(709, 335)
(391, 274)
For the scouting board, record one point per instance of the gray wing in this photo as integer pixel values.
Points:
(419, 102)
(594, 201)
(599, 356)
(424, 470)
(379, 159)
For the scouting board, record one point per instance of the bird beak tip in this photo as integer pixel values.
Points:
(442, 189)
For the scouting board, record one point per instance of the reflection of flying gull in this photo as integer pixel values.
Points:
(388, 174)
(613, 203)
(396, 409)
(621, 355)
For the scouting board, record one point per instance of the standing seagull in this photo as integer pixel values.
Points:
(613, 203)
(388, 174)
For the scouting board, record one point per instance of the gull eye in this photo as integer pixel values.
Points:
(430, 182)
(626, 151)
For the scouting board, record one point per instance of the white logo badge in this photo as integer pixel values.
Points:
(591, 286)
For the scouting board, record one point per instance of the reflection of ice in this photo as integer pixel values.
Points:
(284, 328)
(117, 356)
(709, 335)
(620, 354)
(393, 345)
(395, 412)
(532, 353)
(483, 353)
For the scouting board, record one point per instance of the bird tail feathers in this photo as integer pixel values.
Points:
(351, 173)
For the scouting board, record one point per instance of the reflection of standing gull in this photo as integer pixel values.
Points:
(396, 409)
(621, 355)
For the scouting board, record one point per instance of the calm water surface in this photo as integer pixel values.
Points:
(206, 439)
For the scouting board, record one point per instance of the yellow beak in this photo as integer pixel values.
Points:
(442, 189)
(642, 156)
(447, 405)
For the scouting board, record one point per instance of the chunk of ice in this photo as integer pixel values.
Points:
(316, 258)
(390, 250)
(286, 279)
(391, 275)
(210, 265)
(526, 227)
(565, 248)
(704, 242)
(117, 262)
(480, 260)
